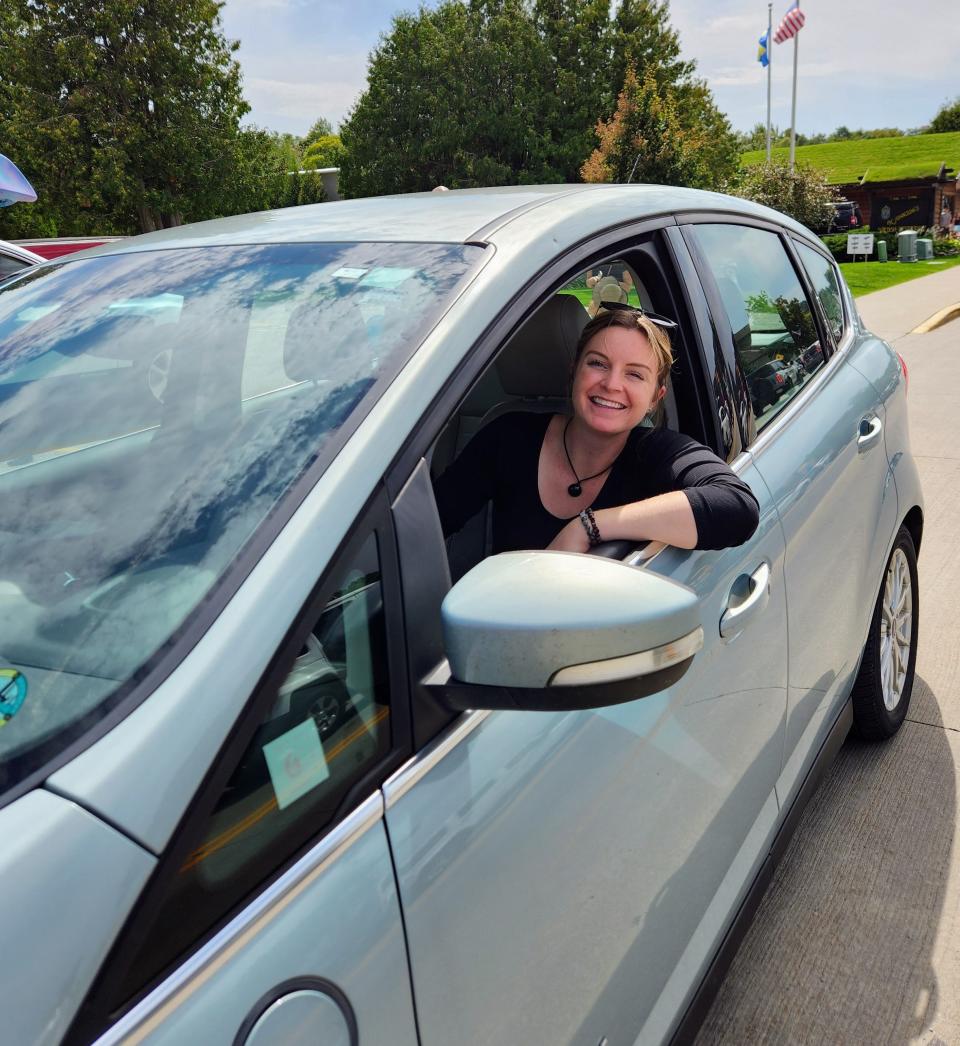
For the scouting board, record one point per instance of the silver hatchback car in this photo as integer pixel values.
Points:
(279, 764)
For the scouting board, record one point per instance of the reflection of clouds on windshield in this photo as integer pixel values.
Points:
(124, 496)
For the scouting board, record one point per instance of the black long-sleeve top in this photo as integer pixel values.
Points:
(501, 463)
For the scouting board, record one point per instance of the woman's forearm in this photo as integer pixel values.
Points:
(666, 517)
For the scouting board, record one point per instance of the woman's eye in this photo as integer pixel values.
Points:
(595, 363)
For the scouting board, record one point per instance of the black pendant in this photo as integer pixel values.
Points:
(574, 490)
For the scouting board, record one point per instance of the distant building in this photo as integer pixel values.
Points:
(889, 206)
(899, 182)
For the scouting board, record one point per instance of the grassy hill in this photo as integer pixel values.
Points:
(875, 159)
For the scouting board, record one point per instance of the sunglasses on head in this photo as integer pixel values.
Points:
(653, 317)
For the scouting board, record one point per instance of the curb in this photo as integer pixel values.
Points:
(938, 319)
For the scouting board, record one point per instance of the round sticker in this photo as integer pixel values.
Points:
(13, 690)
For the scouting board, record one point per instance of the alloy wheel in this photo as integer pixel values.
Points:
(896, 629)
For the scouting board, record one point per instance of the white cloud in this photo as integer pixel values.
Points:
(301, 101)
(858, 64)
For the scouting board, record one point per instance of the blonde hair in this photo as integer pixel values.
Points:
(631, 319)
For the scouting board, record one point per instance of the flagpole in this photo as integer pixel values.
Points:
(769, 57)
(793, 108)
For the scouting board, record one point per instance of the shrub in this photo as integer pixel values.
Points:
(946, 247)
(803, 194)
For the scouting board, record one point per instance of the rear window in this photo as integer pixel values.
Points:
(155, 408)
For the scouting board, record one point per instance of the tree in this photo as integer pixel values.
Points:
(418, 125)
(805, 194)
(127, 114)
(947, 118)
(644, 141)
(326, 151)
(577, 39)
(320, 129)
(548, 69)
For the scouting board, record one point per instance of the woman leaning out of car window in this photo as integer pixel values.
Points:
(568, 482)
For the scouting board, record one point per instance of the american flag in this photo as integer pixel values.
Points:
(790, 24)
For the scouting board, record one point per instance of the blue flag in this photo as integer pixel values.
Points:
(762, 57)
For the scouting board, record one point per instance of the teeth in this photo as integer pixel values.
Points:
(606, 403)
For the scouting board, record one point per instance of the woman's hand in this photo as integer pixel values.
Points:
(573, 538)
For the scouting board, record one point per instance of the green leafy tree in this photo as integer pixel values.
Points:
(126, 114)
(644, 141)
(577, 38)
(947, 118)
(320, 129)
(423, 120)
(804, 194)
(530, 80)
(326, 151)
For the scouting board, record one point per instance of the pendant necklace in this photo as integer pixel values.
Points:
(576, 488)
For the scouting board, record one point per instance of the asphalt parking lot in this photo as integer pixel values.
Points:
(858, 939)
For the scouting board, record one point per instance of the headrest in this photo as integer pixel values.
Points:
(322, 335)
(608, 288)
(539, 358)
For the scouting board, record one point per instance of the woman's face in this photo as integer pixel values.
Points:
(615, 383)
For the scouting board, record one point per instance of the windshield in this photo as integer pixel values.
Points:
(154, 409)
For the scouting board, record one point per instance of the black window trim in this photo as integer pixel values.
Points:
(836, 343)
(712, 358)
(101, 1008)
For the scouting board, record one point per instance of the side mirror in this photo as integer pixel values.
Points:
(556, 631)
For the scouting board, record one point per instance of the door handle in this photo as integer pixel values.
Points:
(748, 596)
(869, 434)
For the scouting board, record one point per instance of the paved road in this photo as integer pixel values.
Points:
(858, 939)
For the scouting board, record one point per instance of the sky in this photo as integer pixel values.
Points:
(307, 58)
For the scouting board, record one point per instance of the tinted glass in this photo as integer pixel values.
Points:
(10, 265)
(328, 725)
(154, 409)
(775, 335)
(823, 276)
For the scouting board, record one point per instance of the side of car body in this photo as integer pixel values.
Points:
(572, 876)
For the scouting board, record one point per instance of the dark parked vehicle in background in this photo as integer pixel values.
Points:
(846, 215)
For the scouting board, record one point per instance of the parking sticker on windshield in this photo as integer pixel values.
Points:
(296, 762)
(13, 691)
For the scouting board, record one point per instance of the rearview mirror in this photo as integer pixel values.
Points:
(555, 631)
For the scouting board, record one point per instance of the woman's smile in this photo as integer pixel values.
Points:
(606, 404)
(615, 384)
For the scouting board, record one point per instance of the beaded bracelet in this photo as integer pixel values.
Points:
(590, 526)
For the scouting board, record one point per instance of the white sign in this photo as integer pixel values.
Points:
(860, 243)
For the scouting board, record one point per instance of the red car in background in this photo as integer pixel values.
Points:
(58, 246)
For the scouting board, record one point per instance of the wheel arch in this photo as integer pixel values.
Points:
(913, 521)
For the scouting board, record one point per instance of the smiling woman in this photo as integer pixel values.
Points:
(604, 471)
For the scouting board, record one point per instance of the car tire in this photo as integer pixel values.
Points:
(884, 683)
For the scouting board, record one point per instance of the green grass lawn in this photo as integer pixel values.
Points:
(874, 159)
(864, 277)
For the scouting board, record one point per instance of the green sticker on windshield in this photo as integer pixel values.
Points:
(13, 691)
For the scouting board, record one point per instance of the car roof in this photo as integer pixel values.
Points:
(458, 216)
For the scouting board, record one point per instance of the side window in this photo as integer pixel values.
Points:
(610, 281)
(826, 283)
(327, 727)
(9, 265)
(774, 331)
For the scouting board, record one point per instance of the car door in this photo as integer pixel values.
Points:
(274, 917)
(820, 450)
(565, 878)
